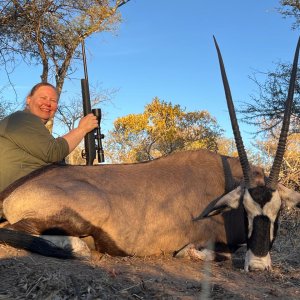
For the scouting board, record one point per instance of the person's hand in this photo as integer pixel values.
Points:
(88, 123)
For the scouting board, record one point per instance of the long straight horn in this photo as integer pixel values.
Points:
(235, 126)
(274, 173)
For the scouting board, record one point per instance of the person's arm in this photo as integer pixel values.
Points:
(30, 134)
(74, 137)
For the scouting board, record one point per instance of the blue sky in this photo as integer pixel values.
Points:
(165, 48)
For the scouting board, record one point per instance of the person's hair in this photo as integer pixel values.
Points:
(38, 85)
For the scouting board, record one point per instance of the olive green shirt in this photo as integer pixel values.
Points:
(26, 145)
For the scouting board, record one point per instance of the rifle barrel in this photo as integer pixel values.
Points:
(84, 61)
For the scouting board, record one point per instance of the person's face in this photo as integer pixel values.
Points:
(43, 103)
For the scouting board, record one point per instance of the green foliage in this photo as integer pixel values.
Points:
(161, 129)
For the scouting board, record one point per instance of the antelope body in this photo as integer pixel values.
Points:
(153, 207)
(134, 209)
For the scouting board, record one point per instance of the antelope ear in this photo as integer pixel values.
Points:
(288, 197)
(227, 202)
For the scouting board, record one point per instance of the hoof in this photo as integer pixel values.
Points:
(191, 252)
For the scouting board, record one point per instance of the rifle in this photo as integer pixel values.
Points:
(93, 139)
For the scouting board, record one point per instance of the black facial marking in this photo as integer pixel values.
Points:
(259, 241)
(246, 224)
(276, 226)
(261, 195)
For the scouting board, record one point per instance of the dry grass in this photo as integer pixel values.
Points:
(28, 276)
(286, 249)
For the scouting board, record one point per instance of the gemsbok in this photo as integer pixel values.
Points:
(175, 204)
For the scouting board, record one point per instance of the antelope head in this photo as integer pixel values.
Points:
(261, 198)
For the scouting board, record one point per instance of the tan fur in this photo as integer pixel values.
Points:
(145, 208)
(291, 198)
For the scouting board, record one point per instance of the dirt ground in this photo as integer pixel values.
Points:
(30, 276)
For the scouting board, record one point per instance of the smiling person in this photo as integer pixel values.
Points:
(27, 145)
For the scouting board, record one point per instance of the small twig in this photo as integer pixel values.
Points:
(28, 293)
(133, 286)
(31, 258)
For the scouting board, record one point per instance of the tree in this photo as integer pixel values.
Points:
(75, 157)
(267, 109)
(6, 106)
(227, 146)
(49, 32)
(161, 129)
(3, 110)
(290, 169)
(267, 105)
(291, 8)
(70, 112)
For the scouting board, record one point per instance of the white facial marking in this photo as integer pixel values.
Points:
(232, 198)
(272, 207)
(252, 208)
(254, 263)
(271, 210)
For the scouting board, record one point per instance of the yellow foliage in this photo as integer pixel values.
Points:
(132, 123)
(227, 147)
(290, 169)
(160, 130)
(75, 157)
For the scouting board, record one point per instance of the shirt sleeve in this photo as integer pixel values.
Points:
(30, 134)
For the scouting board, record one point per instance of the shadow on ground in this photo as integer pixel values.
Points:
(29, 276)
